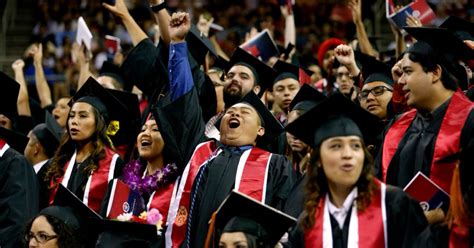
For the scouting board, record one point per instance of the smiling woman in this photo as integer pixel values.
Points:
(345, 205)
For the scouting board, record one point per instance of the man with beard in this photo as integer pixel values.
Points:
(212, 169)
(245, 73)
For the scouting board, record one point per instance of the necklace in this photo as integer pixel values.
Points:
(147, 184)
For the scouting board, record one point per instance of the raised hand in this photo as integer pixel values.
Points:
(180, 24)
(413, 21)
(345, 55)
(18, 65)
(36, 52)
(355, 6)
(204, 24)
(119, 9)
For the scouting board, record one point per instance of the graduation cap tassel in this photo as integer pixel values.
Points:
(458, 213)
(211, 232)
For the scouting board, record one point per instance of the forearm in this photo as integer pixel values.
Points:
(399, 45)
(363, 39)
(84, 74)
(42, 87)
(135, 32)
(23, 103)
(290, 30)
(162, 18)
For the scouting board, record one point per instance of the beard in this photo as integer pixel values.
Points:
(231, 98)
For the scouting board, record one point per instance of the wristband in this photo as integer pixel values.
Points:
(157, 7)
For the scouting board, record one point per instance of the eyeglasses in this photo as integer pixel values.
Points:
(376, 91)
(40, 237)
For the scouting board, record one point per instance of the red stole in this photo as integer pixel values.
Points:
(251, 179)
(459, 237)
(161, 198)
(447, 142)
(370, 230)
(2, 143)
(97, 183)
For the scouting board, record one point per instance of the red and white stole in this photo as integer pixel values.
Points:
(366, 229)
(97, 183)
(161, 199)
(447, 142)
(251, 179)
(3, 147)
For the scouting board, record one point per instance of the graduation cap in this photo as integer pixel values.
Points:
(9, 94)
(442, 42)
(108, 106)
(111, 70)
(306, 98)
(16, 140)
(48, 134)
(264, 74)
(124, 233)
(131, 125)
(336, 116)
(240, 213)
(374, 70)
(287, 70)
(441, 45)
(462, 29)
(199, 45)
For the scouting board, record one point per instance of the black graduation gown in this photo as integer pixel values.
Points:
(415, 151)
(405, 221)
(294, 204)
(435, 236)
(18, 197)
(43, 186)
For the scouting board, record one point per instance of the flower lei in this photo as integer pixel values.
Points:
(132, 176)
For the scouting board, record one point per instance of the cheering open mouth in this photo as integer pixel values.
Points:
(234, 123)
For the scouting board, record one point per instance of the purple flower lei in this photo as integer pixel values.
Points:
(132, 175)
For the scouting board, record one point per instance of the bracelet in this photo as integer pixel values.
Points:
(157, 7)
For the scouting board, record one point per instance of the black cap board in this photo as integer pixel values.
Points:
(462, 29)
(336, 116)
(285, 69)
(374, 70)
(48, 134)
(129, 127)
(16, 140)
(9, 94)
(199, 45)
(306, 98)
(112, 70)
(240, 213)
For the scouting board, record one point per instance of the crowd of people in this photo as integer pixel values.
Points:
(209, 145)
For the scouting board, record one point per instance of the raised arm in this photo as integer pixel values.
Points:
(23, 103)
(120, 10)
(82, 58)
(345, 56)
(162, 17)
(362, 37)
(42, 87)
(290, 28)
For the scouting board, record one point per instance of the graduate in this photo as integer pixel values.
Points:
(85, 161)
(441, 122)
(212, 169)
(18, 184)
(43, 142)
(252, 224)
(345, 205)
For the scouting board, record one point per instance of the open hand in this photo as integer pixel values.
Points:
(119, 9)
(180, 24)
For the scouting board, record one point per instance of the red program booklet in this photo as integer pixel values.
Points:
(124, 200)
(426, 192)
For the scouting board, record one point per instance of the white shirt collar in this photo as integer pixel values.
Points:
(340, 214)
(39, 165)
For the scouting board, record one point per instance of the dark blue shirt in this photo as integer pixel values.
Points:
(180, 77)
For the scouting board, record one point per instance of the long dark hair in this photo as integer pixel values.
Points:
(67, 147)
(67, 237)
(317, 186)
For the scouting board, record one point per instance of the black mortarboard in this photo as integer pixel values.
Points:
(9, 94)
(130, 127)
(16, 140)
(443, 47)
(462, 29)
(306, 98)
(93, 93)
(112, 70)
(199, 45)
(240, 213)
(374, 70)
(48, 134)
(264, 74)
(66, 214)
(336, 116)
(287, 70)
(442, 42)
(135, 231)
(272, 126)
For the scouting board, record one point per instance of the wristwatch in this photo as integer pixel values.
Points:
(157, 7)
